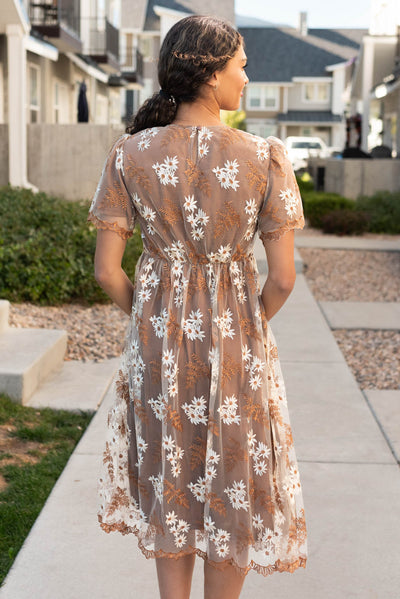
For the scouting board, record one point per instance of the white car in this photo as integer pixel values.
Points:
(300, 149)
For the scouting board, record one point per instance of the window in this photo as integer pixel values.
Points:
(145, 46)
(315, 92)
(263, 128)
(34, 107)
(262, 97)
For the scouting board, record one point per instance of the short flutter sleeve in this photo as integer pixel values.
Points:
(112, 207)
(282, 208)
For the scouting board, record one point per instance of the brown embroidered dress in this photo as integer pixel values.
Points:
(199, 454)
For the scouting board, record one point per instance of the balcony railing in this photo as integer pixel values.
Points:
(102, 39)
(132, 66)
(50, 13)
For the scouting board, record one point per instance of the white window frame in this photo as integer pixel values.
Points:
(314, 99)
(255, 126)
(34, 107)
(263, 96)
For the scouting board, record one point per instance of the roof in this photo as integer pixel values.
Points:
(281, 53)
(316, 116)
(223, 9)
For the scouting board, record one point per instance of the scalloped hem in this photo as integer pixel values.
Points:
(279, 566)
(105, 225)
(275, 235)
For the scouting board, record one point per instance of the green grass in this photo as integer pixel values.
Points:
(29, 485)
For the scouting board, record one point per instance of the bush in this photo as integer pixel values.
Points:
(317, 204)
(345, 222)
(305, 183)
(384, 211)
(47, 250)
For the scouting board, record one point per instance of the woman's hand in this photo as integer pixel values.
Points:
(108, 272)
(281, 273)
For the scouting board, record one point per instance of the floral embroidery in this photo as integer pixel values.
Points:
(224, 323)
(166, 170)
(255, 365)
(291, 202)
(228, 411)
(199, 455)
(192, 325)
(237, 495)
(178, 528)
(145, 138)
(196, 220)
(196, 410)
(226, 175)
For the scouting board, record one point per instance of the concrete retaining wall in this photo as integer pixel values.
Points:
(353, 177)
(66, 160)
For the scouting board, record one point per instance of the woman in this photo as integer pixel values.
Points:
(199, 457)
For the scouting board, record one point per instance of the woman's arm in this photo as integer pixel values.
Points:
(281, 273)
(108, 272)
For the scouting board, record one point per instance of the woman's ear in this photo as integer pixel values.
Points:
(213, 81)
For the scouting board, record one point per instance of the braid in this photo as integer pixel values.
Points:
(193, 49)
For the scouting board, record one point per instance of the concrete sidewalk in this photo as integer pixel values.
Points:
(350, 480)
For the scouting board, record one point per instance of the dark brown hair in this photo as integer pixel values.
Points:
(193, 49)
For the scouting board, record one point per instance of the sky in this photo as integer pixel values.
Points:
(320, 13)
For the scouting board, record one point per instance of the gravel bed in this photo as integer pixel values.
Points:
(373, 357)
(94, 333)
(352, 275)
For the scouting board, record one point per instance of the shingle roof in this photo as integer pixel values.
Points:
(224, 9)
(346, 37)
(279, 54)
(309, 115)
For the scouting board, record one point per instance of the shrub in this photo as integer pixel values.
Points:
(305, 183)
(345, 222)
(384, 211)
(317, 204)
(47, 250)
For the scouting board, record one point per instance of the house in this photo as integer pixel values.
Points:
(375, 93)
(144, 26)
(48, 48)
(300, 80)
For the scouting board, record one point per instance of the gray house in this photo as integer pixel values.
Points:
(300, 80)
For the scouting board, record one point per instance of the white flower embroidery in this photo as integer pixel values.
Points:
(291, 201)
(158, 486)
(237, 495)
(174, 455)
(291, 483)
(145, 138)
(195, 411)
(192, 325)
(196, 220)
(178, 528)
(262, 149)
(141, 448)
(223, 254)
(159, 323)
(159, 406)
(228, 410)
(119, 160)
(166, 171)
(255, 365)
(224, 324)
(226, 175)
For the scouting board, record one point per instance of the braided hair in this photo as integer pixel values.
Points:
(193, 49)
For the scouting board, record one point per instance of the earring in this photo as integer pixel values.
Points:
(215, 86)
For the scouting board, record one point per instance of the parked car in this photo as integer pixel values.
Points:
(300, 149)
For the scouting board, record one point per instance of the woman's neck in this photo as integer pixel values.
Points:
(200, 112)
